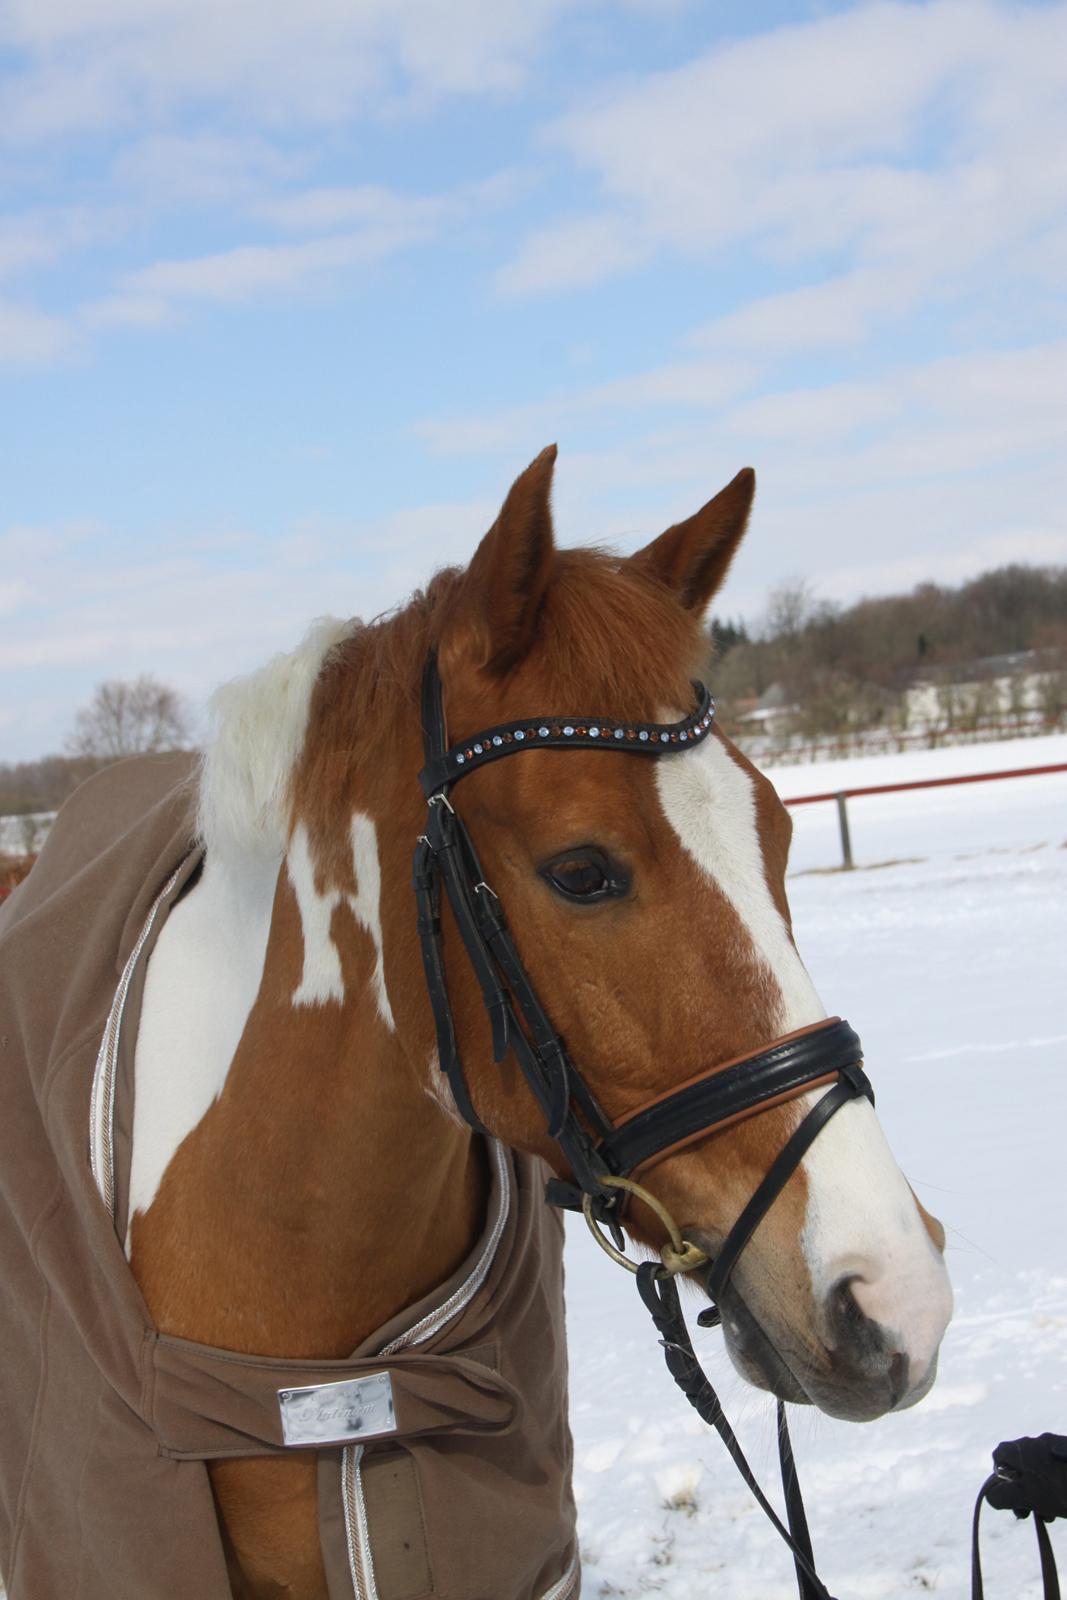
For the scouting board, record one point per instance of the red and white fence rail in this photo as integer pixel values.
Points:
(841, 797)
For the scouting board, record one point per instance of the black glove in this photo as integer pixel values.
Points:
(1030, 1475)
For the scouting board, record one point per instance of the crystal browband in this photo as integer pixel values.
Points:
(592, 733)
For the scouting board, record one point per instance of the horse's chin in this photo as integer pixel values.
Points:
(795, 1377)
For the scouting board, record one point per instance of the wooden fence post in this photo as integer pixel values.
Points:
(846, 839)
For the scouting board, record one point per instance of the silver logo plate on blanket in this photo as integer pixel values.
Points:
(332, 1413)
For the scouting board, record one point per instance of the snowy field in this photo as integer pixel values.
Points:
(21, 835)
(950, 962)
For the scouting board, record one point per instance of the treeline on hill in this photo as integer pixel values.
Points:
(27, 787)
(848, 666)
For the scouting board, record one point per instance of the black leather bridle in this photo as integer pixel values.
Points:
(592, 1145)
(594, 1148)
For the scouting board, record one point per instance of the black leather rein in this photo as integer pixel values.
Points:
(593, 1147)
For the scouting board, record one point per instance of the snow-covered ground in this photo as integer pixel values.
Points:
(931, 823)
(21, 835)
(951, 964)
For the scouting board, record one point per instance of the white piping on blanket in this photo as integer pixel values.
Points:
(102, 1100)
(357, 1533)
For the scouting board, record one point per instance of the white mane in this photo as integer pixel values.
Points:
(259, 725)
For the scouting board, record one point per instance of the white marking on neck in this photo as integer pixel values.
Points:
(710, 803)
(205, 974)
(200, 985)
(366, 903)
(322, 979)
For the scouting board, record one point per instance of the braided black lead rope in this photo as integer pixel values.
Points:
(660, 1295)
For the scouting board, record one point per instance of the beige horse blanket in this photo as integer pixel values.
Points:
(443, 1448)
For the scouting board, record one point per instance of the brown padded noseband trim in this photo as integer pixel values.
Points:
(727, 1093)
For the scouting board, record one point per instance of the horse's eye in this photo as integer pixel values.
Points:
(586, 875)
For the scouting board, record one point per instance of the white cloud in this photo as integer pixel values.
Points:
(707, 383)
(206, 169)
(12, 595)
(150, 295)
(933, 468)
(34, 238)
(94, 64)
(365, 205)
(24, 243)
(572, 254)
(958, 414)
(32, 338)
(1037, 545)
(910, 143)
(841, 310)
(375, 223)
(178, 612)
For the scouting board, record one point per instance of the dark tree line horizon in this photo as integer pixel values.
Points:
(849, 663)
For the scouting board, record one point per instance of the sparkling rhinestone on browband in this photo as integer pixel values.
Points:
(591, 733)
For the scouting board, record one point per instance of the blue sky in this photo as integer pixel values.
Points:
(288, 295)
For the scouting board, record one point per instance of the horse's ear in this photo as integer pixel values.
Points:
(505, 583)
(693, 557)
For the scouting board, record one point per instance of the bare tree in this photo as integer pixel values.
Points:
(790, 608)
(128, 718)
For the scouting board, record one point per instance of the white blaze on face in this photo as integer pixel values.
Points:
(710, 803)
(862, 1221)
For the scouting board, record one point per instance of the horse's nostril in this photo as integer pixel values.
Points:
(860, 1344)
(845, 1310)
(898, 1376)
(855, 1337)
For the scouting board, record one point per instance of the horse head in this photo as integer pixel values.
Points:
(648, 904)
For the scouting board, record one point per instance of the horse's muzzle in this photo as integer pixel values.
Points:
(857, 1370)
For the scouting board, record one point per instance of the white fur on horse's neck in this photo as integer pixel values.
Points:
(260, 722)
(206, 969)
(205, 974)
(200, 986)
(321, 979)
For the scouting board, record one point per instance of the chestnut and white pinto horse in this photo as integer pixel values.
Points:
(290, 1113)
